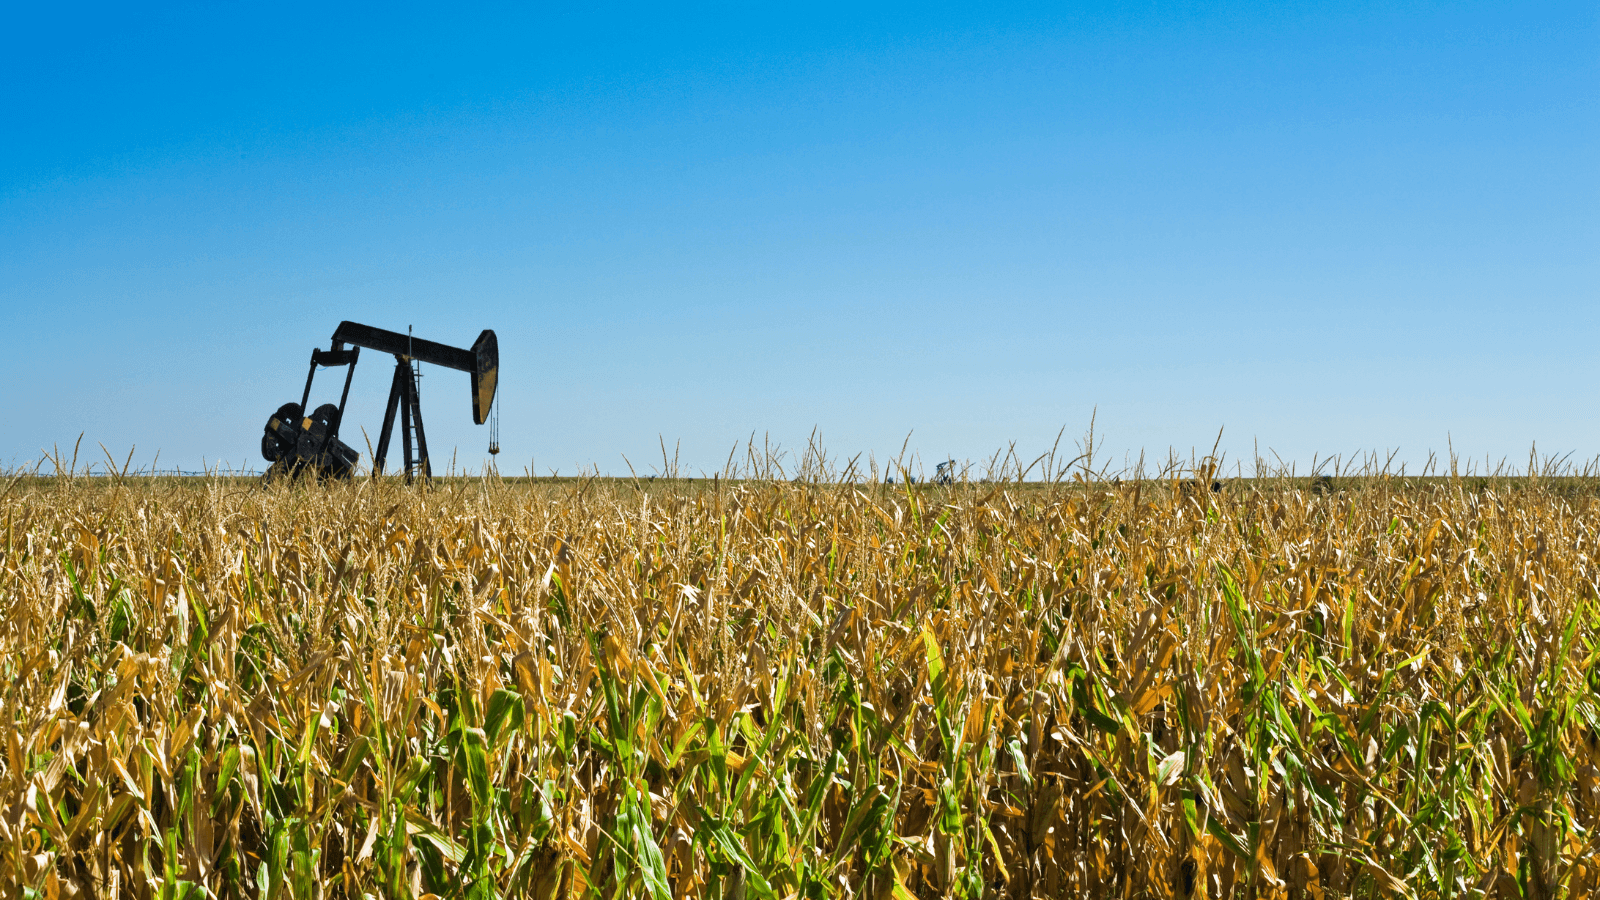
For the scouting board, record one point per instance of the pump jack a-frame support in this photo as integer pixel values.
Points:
(403, 394)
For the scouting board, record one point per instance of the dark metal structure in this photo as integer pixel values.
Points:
(295, 442)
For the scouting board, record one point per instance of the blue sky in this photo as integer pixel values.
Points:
(1327, 230)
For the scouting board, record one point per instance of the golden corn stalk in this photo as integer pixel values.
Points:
(777, 690)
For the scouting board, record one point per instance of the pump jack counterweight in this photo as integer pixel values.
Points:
(296, 443)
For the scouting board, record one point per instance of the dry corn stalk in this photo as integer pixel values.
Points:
(781, 690)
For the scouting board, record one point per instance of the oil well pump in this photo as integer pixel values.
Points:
(296, 441)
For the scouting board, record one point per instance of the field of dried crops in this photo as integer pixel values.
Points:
(761, 690)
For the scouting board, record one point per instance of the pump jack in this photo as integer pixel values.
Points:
(296, 443)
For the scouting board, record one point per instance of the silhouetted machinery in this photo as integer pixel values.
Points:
(297, 442)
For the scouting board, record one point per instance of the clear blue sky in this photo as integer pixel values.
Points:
(1328, 227)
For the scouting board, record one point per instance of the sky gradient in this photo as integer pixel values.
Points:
(1327, 231)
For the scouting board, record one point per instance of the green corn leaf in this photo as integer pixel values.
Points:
(1084, 699)
(308, 741)
(723, 838)
(353, 757)
(505, 706)
(949, 808)
(935, 655)
(1221, 833)
(428, 833)
(1191, 814)
(652, 866)
(1014, 748)
(225, 774)
(682, 744)
(475, 756)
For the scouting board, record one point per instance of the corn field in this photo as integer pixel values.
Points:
(768, 689)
